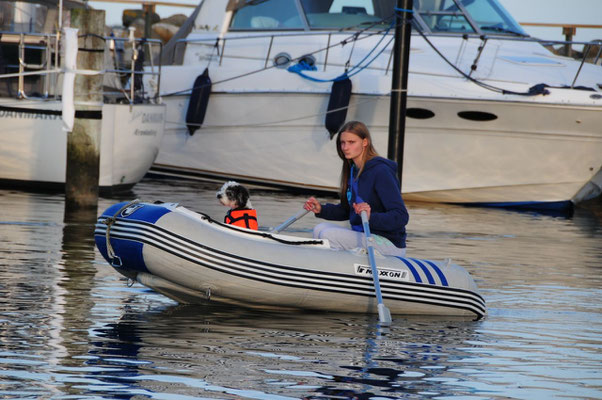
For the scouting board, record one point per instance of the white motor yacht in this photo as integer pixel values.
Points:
(494, 117)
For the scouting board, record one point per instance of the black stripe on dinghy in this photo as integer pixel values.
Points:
(278, 268)
(435, 295)
(281, 274)
(168, 235)
(251, 263)
(226, 265)
(401, 293)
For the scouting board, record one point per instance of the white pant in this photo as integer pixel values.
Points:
(341, 238)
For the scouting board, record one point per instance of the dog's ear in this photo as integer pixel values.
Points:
(242, 196)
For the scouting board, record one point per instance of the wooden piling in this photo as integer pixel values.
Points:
(83, 142)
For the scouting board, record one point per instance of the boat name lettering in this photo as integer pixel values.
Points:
(27, 115)
(147, 117)
(395, 274)
(145, 132)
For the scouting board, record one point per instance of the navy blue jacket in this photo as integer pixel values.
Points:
(379, 187)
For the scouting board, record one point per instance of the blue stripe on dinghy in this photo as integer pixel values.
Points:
(438, 271)
(417, 277)
(426, 271)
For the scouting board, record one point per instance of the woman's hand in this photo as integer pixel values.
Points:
(313, 205)
(359, 207)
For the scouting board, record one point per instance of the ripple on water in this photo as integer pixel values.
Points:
(70, 326)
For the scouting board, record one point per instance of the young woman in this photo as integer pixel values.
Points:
(368, 183)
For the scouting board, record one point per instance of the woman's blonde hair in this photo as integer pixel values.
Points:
(361, 130)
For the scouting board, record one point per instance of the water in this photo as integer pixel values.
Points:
(71, 328)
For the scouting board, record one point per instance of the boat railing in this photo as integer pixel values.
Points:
(592, 50)
(37, 57)
(137, 61)
(568, 30)
(41, 44)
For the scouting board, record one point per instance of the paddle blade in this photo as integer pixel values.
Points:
(384, 315)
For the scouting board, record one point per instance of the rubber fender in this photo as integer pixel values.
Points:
(339, 101)
(199, 99)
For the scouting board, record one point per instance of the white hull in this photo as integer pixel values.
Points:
(191, 258)
(515, 160)
(33, 144)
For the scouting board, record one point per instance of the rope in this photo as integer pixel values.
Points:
(260, 234)
(351, 52)
(17, 74)
(343, 42)
(358, 103)
(109, 221)
(535, 90)
(356, 69)
(55, 71)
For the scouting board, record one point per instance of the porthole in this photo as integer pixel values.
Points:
(477, 115)
(282, 60)
(419, 113)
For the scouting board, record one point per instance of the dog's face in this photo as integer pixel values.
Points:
(234, 195)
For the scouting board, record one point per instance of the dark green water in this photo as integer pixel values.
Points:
(71, 328)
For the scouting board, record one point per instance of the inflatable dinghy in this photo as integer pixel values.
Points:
(192, 258)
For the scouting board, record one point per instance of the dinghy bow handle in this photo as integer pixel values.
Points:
(109, 221)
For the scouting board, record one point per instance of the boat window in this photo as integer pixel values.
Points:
(337, 14)
(449, 16)
(444, 16)
(490, 16)
(266, 15)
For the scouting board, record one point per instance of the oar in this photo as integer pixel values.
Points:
(384, 315)
(289, 221)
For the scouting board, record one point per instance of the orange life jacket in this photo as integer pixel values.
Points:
(243, 217)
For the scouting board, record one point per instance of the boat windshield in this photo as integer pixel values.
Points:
(438, 16)
(312, 14)
(267, 15)
(338, 14)
(465, 16)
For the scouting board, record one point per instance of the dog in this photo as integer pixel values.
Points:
(241, 213)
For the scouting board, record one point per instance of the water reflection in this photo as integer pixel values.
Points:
(76, 283)
(270, 354)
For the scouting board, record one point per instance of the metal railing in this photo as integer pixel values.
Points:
(568, 30)
(46, 47)
(219, 43)
(42, 44)
(136, 69)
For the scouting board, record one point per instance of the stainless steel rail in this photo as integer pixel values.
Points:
(48, 47)
(220, 43)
